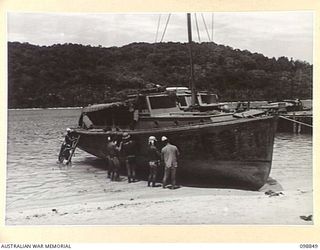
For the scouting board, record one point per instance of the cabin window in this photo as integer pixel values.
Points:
(182, 101)
(208, 99)
(162, 102)
(142, 103)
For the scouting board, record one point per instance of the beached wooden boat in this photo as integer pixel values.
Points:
(222, 148)
(215, 146)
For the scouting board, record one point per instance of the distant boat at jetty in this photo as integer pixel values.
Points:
(294, 116)
(284, 106)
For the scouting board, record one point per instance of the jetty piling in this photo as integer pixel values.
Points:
(296, 123)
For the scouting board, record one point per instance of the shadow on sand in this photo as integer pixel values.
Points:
(187, 181)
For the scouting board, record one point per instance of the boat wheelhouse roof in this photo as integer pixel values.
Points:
(103, 106)
(112, 114)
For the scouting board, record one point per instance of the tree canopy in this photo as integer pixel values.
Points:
(75, 75)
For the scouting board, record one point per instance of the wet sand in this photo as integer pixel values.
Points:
(137, 204)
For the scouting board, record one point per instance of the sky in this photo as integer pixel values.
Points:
(273, 34)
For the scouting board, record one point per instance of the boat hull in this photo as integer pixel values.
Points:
(235, 152)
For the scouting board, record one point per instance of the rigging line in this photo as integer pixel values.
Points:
(295, 121)
(195, 17)
(164, 32)
(159, 19)
(212, 23)
(205, 25)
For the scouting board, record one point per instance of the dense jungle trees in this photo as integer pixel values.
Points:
(77, 75)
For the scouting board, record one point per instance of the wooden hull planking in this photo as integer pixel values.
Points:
(239, 151)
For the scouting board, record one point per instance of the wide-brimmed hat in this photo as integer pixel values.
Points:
(68, 129)
(126, 136)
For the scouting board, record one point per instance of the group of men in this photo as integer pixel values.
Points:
(167, 156)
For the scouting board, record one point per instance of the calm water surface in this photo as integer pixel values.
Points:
(34, 179)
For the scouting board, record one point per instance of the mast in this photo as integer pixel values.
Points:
(191, 86)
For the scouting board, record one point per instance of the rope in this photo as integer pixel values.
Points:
(302, 123)
(212, 18)
(205, 25)
(165, 28)
(158, 28)
(195, 17)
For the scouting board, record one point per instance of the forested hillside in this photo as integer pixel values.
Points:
(77, 75)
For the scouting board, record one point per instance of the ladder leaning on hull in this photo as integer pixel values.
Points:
(73, 148)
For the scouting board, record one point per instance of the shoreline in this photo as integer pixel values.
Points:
(57, 108)
(137, 204)
(53, 108)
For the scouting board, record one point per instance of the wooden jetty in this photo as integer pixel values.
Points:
(296, 122)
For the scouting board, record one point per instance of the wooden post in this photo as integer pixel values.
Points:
(294, 124)
(299, 126)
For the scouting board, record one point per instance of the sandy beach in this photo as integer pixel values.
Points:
(137, 204)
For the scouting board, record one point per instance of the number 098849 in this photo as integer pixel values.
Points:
(308, 246)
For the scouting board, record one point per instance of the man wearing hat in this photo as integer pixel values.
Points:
(68, 143)
(129, 151)
(113, 159)
(154, 160)
(169, 155)
(69, 138)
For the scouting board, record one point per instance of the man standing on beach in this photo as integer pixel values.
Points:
(154, 161)
(113, 159)
(169, 156)
(128, 148)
